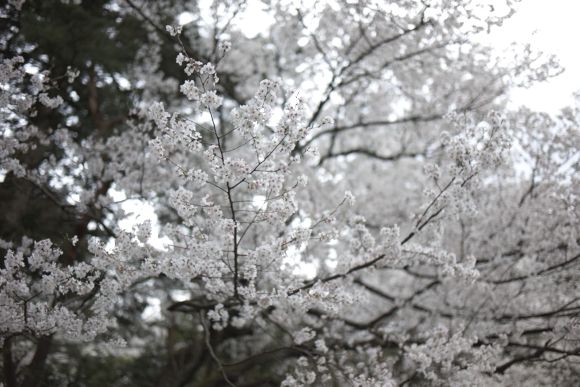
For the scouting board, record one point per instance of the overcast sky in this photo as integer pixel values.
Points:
(552, 26)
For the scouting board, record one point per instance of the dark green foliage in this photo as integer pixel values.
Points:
(76, 35)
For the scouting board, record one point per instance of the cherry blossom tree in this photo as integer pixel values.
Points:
(340, 200)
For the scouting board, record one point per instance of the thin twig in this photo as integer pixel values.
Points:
(211, 351)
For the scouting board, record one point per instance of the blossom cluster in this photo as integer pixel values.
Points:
(40, 296)
(439, 357)
(17, 101)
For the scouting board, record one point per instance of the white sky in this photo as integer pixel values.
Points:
(552, 26)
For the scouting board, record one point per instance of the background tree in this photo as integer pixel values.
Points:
(452, 260)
